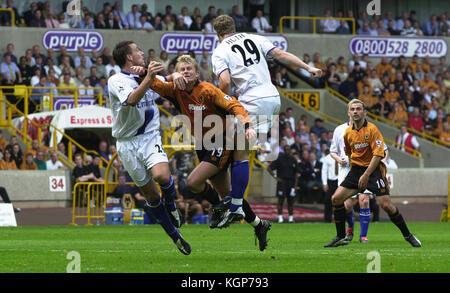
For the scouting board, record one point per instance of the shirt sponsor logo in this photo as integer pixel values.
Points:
(359, 147)
(196, 107)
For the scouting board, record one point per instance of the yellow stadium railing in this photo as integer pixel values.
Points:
(314, 19)
(326, 117)
(385, 120)
(13, 15)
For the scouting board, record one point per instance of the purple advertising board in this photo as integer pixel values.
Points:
(198, 42)
(396, 46)
(72, 40)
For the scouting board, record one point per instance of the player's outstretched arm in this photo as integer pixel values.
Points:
(291, 59)
(138, 93)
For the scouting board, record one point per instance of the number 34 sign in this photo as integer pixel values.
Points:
(57, 183)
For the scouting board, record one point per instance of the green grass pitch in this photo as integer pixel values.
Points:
(293, 248)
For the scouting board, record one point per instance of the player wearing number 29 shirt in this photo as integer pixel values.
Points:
(240, 58)
(136, 128)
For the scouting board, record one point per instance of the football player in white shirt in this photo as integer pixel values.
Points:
(139, 147)
(240, 59)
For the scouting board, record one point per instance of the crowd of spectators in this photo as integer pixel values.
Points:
(113, 16)
(12, 157)
(414, 92)
(406, 25)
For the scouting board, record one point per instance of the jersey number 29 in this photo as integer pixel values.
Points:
(250, 48)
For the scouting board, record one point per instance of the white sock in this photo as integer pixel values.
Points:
(255, 222)
(280, 218)
(291, 218)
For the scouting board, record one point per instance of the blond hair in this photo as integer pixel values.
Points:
(186, 59)
(356, 101)
(224, 24)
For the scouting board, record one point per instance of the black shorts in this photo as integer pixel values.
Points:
(284, 188)
(377, 184)
(218, 157)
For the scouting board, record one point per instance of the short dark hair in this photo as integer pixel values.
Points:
(121, 51)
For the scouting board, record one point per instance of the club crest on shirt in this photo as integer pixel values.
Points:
(378, 142)
(227, 97)
(366, 137)
(201, 99)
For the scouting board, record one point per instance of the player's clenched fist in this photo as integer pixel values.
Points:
(153, 68)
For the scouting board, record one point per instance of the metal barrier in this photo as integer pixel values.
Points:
(13, 15)
(89, 202)
(315, 18)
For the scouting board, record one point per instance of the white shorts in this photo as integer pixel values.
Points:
(261, 111)
(139, 154)
(342, 173)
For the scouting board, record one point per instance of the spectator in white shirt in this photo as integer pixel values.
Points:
(328, 25)
(86, 89)
(184, 14)
(351, 63)
(308, 61)
(133, 17)
(143, 24)
(54, 163)
(260, 23)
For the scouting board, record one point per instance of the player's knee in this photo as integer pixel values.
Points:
(364, 201)
(336, 200)
(193, 184)
(162, 178)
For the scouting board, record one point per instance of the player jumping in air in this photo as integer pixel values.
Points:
(240, 59)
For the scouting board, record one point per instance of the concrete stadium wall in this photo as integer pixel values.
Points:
(412, 184)
(32, 188)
